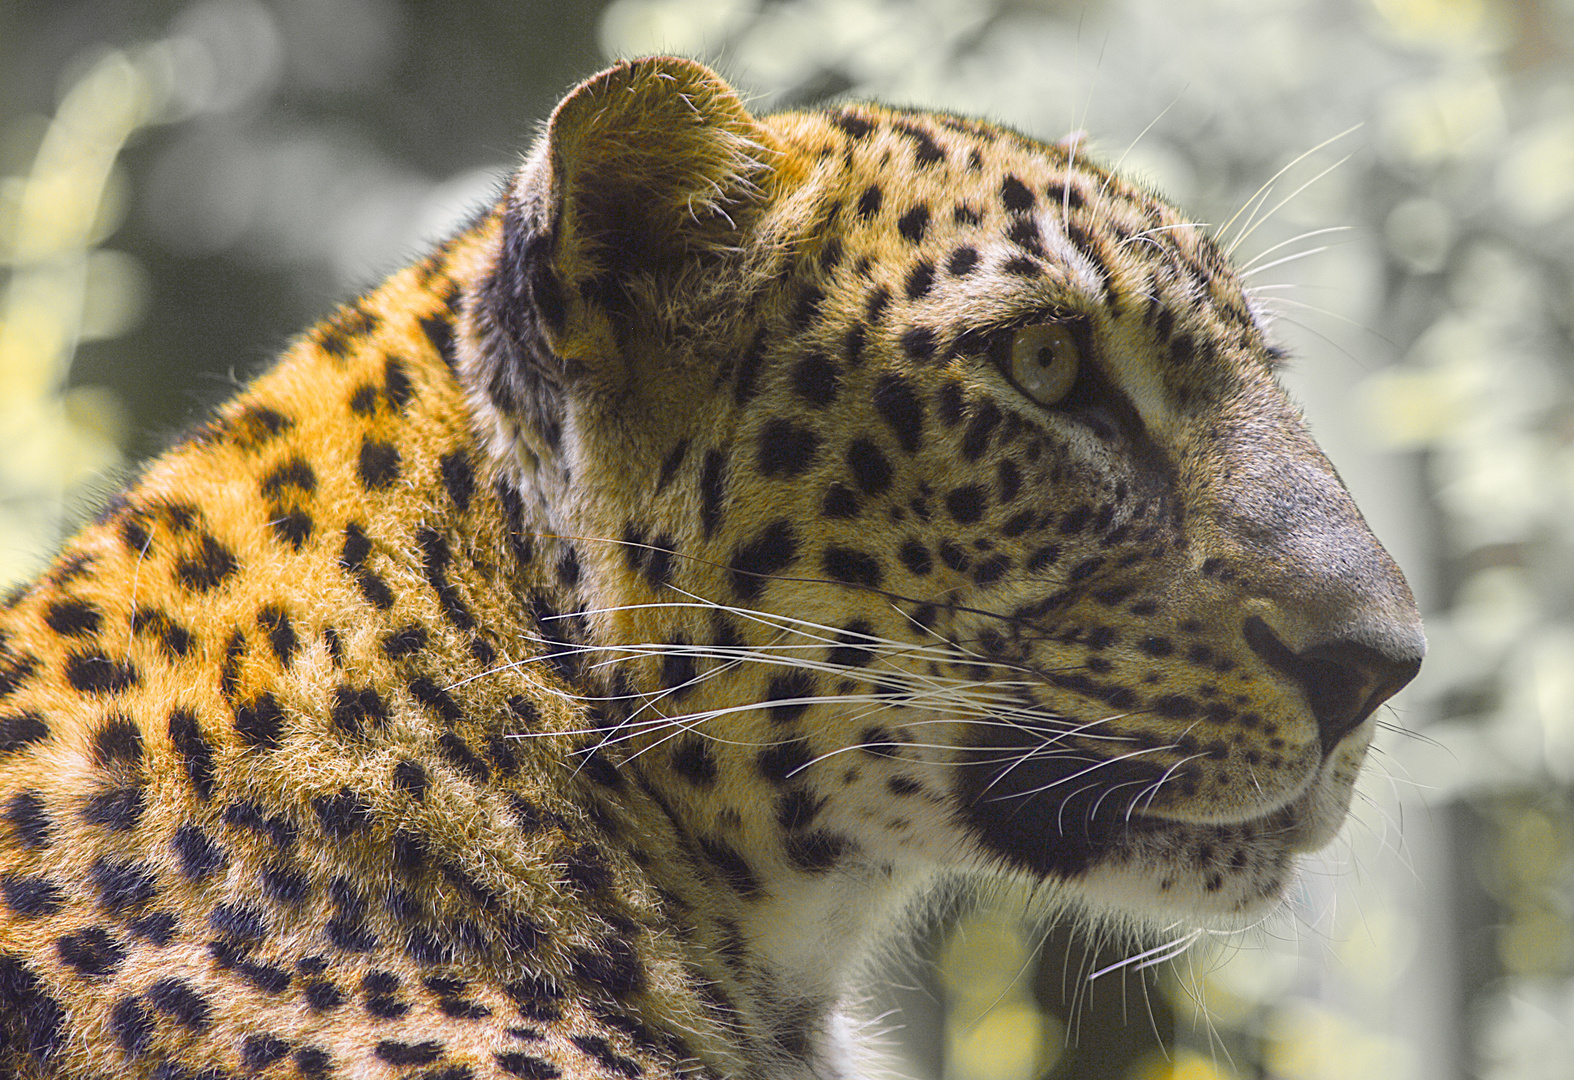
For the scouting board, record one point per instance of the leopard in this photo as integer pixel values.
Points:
(575, 656)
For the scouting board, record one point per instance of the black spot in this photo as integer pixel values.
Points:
(870, 468)
(869, 202)
(378, 465)
(713, 486)
(839, 502)
(248, 815)
(286, 885)
(411, 779)
(131, 1025)
(852, 567)
(500, 751)
(363, 401)
(31, 897)
(458, 478)
(748, 370)
(782, 761)
(966, 504)
(458, 754)
(206, 568)
(122, 884)
(594, 1046)
(1044, 556)
(920, 280)
(94, 673)
(853, 343)
(693, 761)
(1156, 646)
(14, 670)
(260, 1051)
(527, 1067)
(815, 851)
(1016, 195)
(918, 342)
(313, 1061)
(175, 998)
(914, 223)
(732, 867)
(1076, 520)
(26, 815)
(670, 463)
(1175, 706)
(199, 855)
(294, 473)
(119, 741)
(899, 405)
(73, 618)
(805, 309)
(117, 809)
(1064, 193)
(260, 722)
(342, 815)
(396, 382)
(380, 987)
(258, 424)
(953, 556)
(405, 640)
(975, 440)
(357, 546)
(437, 699)
(815, 379)
(281, 633)
(614, 967)
(196, 756)
(784, 693)
(962, 261)
(925, 153)
(439, 330)
(596, 766)
(1008, 481)
(879, 300)
(21, 730)
(786, 449)
(915, 556)
(322, 996)
(355, 709)
(293, 527)
(855, 126)
(773, 549)
(435, 559)
(238, 922)
(992, 569)
(402, 1053)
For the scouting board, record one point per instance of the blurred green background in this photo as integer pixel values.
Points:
(184, 185)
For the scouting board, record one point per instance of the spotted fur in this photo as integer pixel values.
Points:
(572, 653)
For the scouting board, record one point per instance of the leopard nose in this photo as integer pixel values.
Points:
(1344, 680)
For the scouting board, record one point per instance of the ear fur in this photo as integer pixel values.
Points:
(649, 169)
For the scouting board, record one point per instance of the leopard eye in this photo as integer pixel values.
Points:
(1044, 361)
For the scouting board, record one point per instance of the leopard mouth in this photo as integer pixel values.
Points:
(1221, 865)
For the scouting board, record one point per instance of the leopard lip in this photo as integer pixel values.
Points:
(1299, 821)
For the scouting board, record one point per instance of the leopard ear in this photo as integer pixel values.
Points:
(648, 171)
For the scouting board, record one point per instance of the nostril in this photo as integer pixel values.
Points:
(1344, 681)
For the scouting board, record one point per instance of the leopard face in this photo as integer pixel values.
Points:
(981, 528)
(577, 651)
